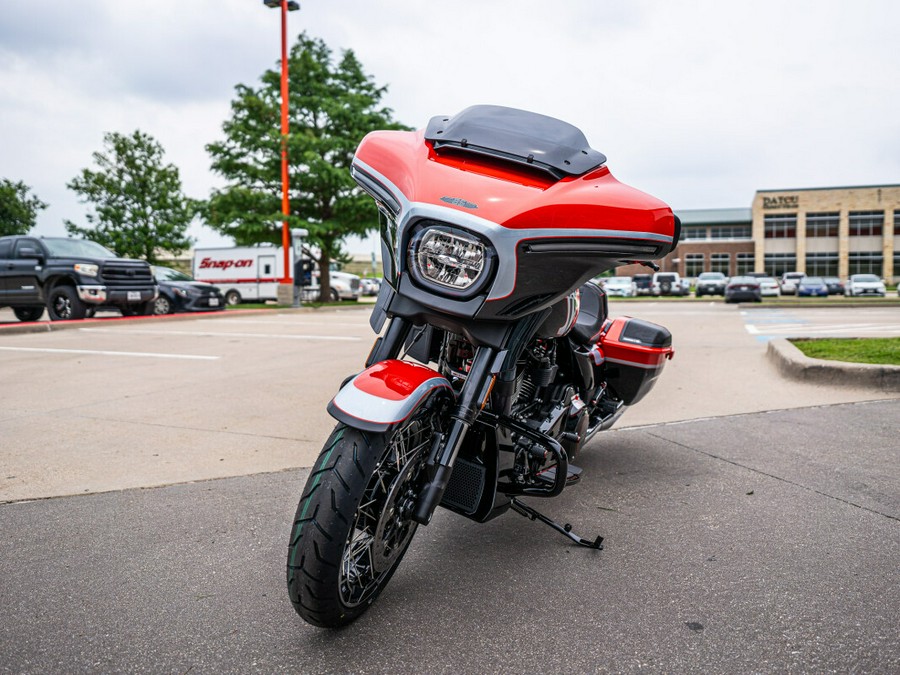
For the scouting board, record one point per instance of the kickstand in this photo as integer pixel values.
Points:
(531, 514)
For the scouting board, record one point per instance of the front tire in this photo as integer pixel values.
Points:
(353, 523)
(64, 304)
(162, 305)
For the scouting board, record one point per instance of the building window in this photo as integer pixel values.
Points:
(866, 262)
(897, 222)
(719, 262)
(693, 264)
(745, 263)
(822, 224)
(779, 263)
(822, 264)
(780, 225)
(866, 223)
(730, 232)
(693, 233)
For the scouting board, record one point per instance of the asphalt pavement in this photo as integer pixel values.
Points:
(725, 552)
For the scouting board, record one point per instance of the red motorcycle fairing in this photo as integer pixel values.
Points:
(385, 394)
(551, 230)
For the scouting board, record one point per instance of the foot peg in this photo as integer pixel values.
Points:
(531, 514)
(573, 475)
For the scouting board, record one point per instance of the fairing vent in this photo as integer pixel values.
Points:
(524, 305)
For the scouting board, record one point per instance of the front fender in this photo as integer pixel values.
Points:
(385, 394)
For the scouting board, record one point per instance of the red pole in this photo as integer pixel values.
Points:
(285, 204)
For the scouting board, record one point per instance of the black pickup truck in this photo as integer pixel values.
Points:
(72, 278)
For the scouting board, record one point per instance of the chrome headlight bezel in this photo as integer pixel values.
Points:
(434, 234)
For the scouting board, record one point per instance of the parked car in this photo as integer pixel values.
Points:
(369, 286)
(623, 287)
(740, 289)
(835, 285)
(789, 281)
(812, 287)
(710, 283)
(643, 283)
(71, 278)
(180, 292)
(768, 287)
(668, 283)
(864, 284)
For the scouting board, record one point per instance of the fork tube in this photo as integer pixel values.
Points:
(447, 446)
(389, 346)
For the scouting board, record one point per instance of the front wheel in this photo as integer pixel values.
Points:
(63, 304)
(162, 305)
(354, 521)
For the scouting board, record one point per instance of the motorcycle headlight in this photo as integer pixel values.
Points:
(453, 260)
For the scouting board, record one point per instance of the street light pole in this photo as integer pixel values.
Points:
(285, 6)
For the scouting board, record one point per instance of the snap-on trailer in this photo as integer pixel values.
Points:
(244, 273)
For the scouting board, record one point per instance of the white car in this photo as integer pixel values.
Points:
(864, 284)
(668, 283)
(623, 287)
(789, 281)
(768, 286)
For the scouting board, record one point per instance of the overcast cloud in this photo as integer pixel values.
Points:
(699, 103)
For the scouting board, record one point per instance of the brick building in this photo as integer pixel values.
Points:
(835, 231)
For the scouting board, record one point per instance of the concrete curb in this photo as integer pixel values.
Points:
(793, 363)
(47, 326)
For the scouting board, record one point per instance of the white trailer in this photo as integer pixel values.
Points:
(252, 274)
(244, 273)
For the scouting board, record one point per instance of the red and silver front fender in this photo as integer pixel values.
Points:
(385, 394)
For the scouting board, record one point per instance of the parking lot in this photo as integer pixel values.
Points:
(199, 397)
(150, 469)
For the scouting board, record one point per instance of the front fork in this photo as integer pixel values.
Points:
(471, 400)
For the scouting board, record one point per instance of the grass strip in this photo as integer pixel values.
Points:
(880, 351)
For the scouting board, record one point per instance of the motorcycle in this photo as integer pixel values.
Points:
(496, 361)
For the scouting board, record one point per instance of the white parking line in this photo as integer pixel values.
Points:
(97, 352)
(198, 333)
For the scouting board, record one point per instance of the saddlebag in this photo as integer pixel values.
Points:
(631, 354)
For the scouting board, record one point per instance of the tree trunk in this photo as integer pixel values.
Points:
(324, 276)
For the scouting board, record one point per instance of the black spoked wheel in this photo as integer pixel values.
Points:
(354, 523)
(63, 304)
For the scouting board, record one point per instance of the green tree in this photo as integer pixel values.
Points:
(139, 208)
(332, 105)
(18, 210)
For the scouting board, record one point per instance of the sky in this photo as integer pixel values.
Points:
(699, 103)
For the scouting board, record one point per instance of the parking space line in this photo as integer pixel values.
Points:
(198, 333)
(98, 352)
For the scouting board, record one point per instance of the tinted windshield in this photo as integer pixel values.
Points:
(811, 281)
(168, 274)
(76, 248)
(743, 280)
(865, 277)
(711, 275)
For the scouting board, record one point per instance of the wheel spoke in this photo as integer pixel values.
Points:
(382, 528)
